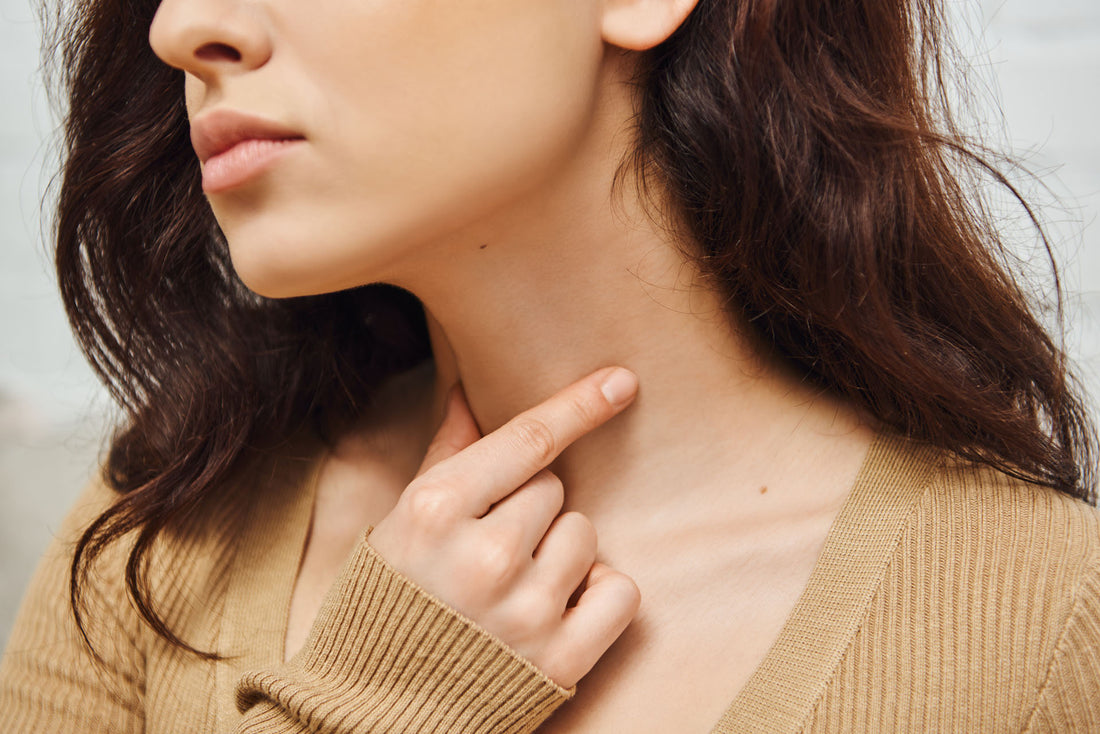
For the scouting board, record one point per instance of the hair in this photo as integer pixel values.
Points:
(806, 149)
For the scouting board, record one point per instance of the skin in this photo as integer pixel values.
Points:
(465, 152)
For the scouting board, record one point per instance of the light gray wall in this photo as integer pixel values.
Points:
(1045, 56)
(50, 407)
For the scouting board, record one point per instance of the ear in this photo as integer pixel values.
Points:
(641, 24)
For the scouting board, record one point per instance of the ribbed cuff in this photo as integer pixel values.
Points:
(386, 656)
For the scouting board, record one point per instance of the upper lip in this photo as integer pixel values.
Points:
(219, 130)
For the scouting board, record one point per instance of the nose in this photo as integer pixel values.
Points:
(210, 37)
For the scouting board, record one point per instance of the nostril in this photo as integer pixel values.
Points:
(218, 52)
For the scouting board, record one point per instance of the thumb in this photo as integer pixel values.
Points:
(457, 431)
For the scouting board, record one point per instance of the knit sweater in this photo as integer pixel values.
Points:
(947, 598)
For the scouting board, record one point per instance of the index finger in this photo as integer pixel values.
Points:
(494, 466)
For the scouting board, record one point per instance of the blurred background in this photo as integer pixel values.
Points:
(1036, 68)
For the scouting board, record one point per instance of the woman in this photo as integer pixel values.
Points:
(838, 486)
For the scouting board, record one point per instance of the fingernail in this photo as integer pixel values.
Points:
(619, 386)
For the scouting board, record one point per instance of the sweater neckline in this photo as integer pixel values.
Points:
(778, 697)
(252, 634)
(780, 694)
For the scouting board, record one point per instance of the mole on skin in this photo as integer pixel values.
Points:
(764, 490)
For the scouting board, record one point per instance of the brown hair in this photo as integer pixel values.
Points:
(805, 145)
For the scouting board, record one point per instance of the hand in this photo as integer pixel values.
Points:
(479, 528)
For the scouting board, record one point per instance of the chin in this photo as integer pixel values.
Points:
(307, 270)
(287, 252)
(286, 264)
(271, 278)
(270, 285)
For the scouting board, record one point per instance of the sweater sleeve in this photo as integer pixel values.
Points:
(49, 682)
(1070, 697)
(386, 656)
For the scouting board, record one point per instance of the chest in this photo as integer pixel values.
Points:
(702, 631)
(715, 596)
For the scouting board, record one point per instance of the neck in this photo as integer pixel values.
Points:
(567, 281)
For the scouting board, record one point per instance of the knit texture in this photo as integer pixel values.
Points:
(987, 619)
(386, 656)
(947, 598)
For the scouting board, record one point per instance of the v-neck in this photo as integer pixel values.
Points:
(265, 569)
(779, 696)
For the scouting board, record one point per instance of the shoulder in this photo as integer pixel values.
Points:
(1024, 572)
(966, 528)
(990, 583)
(998, 524)
(1011, 571)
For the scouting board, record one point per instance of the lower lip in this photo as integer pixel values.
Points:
(242, 162)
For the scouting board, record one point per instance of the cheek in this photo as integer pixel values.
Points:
(433, 118)
(459, 110)
(474, 101)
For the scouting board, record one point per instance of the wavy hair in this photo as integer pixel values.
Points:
(806, 147)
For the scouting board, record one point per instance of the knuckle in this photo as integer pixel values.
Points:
(535, 436)
(587, 407)
(579, 527)
(535, 612)
(632, 595)
(432, 505)
(527, 617)
(494, 561)
(548, 482)
(627, 594)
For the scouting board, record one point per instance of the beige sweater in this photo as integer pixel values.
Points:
(946, 599)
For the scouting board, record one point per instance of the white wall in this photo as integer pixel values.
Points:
(1046, 56)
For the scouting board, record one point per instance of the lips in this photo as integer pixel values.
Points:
(235, 148)
(218, 131)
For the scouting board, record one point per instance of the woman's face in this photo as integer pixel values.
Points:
(419, 117)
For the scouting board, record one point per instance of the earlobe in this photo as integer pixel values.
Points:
(638, 25)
